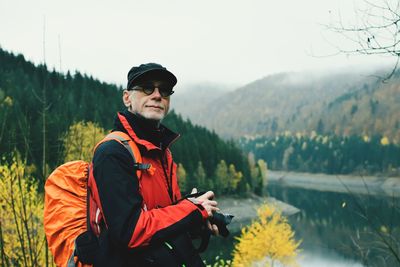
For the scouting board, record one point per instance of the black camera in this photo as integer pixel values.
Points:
(221, 220)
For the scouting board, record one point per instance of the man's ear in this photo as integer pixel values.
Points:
(126, 98)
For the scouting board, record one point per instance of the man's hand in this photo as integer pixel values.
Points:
(213, 228)
(210, 205)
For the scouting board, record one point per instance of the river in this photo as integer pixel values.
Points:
(343, 221)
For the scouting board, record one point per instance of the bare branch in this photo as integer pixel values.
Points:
(376, 31)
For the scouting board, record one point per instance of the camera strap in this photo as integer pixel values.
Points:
(205, 239)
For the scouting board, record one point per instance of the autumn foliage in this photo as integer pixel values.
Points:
(267, 240)
(22, 241)
(80, 140)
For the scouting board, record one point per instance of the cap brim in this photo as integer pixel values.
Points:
(155, 75)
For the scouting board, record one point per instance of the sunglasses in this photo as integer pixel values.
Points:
(148, 89)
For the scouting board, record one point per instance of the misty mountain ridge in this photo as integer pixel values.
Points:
(337, 102)
(190, 99)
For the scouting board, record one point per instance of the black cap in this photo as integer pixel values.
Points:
(150, 71)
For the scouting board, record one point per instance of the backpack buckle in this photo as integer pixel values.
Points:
(142, 166)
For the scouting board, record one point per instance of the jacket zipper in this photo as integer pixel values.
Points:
(167, 179)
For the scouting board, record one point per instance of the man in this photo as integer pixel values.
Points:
(140, 214)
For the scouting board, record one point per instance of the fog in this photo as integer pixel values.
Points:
(230, 42)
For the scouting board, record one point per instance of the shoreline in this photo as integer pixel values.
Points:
(374, 185)
(245, 209)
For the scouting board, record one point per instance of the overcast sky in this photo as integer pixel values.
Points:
(223, 41)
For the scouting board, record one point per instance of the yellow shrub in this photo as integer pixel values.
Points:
(385, 141)
(80, 140)
(267, 240)
(21, 211)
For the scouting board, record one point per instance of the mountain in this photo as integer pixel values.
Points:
(338, 102)
(190, 99)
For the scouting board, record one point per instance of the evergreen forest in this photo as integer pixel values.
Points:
(332, 154)
(48, 118)
(38, 107)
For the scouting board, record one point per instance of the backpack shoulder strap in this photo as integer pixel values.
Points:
(131, 146)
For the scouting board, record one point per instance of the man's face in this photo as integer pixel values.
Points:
(152, 107)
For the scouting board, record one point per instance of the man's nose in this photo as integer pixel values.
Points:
(156, 93)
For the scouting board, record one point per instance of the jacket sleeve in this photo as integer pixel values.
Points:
(127, 223)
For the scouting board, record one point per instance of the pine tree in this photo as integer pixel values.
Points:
(221, 177)
(199, 178)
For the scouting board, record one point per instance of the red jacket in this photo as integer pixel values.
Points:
(139, 212)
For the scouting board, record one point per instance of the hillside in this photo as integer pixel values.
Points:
(39, 105)
(190, 99)
(340, 103)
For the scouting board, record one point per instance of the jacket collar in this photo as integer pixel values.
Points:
(143, 132)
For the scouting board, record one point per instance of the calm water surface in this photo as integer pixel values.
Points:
(336, 229)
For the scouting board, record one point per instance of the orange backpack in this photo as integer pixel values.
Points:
(70, 207)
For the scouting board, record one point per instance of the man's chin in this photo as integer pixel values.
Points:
(153, 116)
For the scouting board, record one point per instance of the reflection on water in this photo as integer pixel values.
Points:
(357, 227)
(337, 229)
(325, 259)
